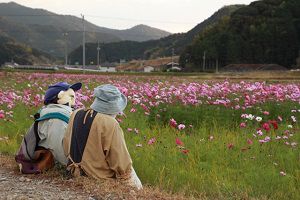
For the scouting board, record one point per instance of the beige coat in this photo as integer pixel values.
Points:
(105, 154)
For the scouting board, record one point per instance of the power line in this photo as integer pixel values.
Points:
(99, 16)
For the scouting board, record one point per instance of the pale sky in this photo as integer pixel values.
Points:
(170, 15)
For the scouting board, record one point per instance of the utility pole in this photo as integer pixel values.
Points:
(98, 55)
(204, 57)
(83, 44)
(66, 48)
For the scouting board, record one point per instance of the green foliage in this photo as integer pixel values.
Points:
(128, 50)
(20, 53)
(210, 169)
(264, 32)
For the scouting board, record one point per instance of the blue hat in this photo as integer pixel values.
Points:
(109, 100)
(53, 90)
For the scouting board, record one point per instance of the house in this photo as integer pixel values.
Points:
(148, 69)
(108, 69)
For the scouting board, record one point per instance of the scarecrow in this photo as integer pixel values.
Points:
(94, 141)
(42, 144)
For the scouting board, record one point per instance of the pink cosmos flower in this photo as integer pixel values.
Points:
(262, 141)
(129, 129)
(250, 142)
(211, 137)
(259, 132)
(152, 141)
(278, 137)
(230, 146)
(266, 126)
(179, 142)
(243, 125)
(181, 126)
(266, 113)
(173, 123)
(279, 118)
(132, 110)
(2, 116)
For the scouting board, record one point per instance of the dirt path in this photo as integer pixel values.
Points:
(29, 187)
(52, 185)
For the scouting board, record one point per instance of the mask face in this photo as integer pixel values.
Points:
(67, 97)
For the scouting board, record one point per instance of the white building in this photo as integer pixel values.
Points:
(107, 69)
(148, 69)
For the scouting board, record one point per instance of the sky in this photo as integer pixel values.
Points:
(170, 15)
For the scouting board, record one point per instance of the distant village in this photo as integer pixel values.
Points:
(166, 64)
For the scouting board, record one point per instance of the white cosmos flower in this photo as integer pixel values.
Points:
(258, 119)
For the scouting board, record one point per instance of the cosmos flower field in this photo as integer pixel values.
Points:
(206, 139)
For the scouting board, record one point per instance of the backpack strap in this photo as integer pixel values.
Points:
(80, 132)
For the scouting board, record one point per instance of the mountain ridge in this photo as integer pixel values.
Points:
(36, 19)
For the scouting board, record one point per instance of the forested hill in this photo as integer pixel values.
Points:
(50, 32)
(150, 49)
(21, 53)
(266, 31)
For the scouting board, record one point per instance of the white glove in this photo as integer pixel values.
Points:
(134, 180)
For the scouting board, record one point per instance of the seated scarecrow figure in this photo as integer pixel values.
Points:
(94, 141)
(42, 144)
(59, 98)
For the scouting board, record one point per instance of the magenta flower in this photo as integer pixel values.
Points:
(173, 123)
(266, 126)
(179, 142)
(243, 125)
(2, 116)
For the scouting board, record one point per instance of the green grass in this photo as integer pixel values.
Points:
(210, 169)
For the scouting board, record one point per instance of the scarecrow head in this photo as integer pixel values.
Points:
(62, 93)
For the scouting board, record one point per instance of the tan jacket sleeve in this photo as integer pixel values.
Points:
(117, 156)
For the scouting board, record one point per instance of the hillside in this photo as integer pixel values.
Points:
(44, 30)
(128, 50)
(265, 32)
(20, 53)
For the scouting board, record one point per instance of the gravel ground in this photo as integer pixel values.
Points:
(25, 187)
(53, 185)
